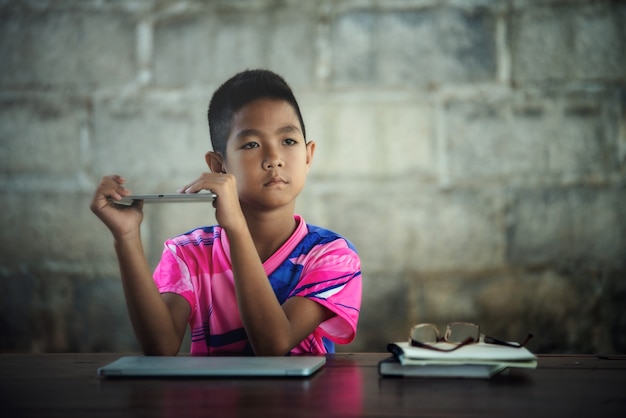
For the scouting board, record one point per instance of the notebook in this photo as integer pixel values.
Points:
(478, 360)
(479, 353)
(197, 366)
(392, 367)
(166, 198)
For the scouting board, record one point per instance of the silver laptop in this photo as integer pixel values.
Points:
(166, 198)
(197, 366)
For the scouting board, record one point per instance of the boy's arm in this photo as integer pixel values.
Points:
(272, 329)
(159, 321)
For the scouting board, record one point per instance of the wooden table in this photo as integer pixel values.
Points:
(66, 385)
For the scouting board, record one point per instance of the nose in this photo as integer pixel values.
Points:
(272, 160)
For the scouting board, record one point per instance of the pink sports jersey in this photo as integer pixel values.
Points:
(314, 263)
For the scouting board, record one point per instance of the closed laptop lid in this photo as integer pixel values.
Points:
(196, 366)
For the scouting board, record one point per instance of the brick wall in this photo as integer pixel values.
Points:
(474, 152)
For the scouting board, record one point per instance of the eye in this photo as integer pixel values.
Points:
(290, 141)
(250, 145)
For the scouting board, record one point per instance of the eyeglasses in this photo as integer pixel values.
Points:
(458, 333)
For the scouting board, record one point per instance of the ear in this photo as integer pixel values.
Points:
(215, 161)
(310, 150)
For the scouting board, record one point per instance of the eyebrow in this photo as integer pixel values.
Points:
(255, 132)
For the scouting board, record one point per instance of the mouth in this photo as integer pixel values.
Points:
(276, 180)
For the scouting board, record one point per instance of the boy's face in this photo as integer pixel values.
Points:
(267, 154)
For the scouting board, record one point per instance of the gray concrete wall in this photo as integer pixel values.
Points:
(474, 152)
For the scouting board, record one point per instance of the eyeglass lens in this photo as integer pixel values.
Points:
(425, 333)
(459, 332)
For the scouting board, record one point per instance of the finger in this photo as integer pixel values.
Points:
(116, 193)
(117, 178)
(110, 192)
(185, 188)
(194, 186)
(137, 204)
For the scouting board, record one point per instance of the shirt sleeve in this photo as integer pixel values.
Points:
(172, 275)
(332, 277)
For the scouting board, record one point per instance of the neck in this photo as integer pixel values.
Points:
(269, 231)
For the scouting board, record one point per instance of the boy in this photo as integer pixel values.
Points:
(262, 281)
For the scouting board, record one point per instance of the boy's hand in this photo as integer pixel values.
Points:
(121, 220)
(228, 210)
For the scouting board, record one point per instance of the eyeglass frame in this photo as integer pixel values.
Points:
(470, 340)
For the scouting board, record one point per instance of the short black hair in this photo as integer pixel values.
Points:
(237, 92)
